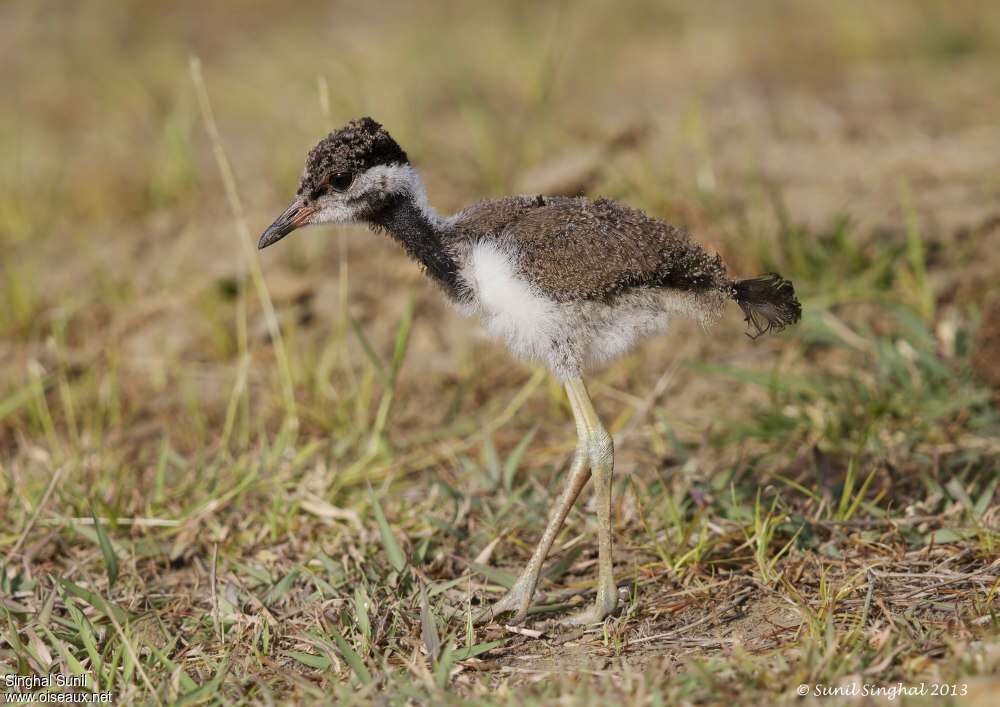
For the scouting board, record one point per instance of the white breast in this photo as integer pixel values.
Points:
(510, 307)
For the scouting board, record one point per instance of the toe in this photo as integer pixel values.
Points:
(517, 600)
(492, 612)
(593, 614)
(587, 617)
(519, 617)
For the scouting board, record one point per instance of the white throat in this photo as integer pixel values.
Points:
(401, 179)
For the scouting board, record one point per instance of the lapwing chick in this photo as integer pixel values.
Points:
(569, 282)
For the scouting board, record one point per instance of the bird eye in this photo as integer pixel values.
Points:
(340, 181)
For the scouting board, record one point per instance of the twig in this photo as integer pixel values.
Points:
(868, 598)
(955, 580)
(520, 630)
(215, 594)
(674, 633)
(739, 599)
(137, 522)
(874, 522)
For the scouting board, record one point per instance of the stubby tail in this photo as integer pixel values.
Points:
(768, 303)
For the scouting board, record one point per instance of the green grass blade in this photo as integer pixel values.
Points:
(396, 557)
(859, 496)
(72, 663)
(513, 462)
(491, 460)
(479, 649)
(985, 498)
(565, 562)
(368, 350)
(207, 691)
(361, 617)
(110, 558)
(442, 667)
(108, 608)
(497, 576)
(402, 340)
(13, 402)
(281, 588)
(438, 587)
(308, 659)
(86, 634)
(183, 678)
(351, 657)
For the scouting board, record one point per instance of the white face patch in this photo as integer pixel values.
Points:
(399, 179)
(333, 209)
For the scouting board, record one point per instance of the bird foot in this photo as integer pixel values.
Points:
(517, 599)
(605, 605)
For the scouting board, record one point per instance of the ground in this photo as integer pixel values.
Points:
(239, 478)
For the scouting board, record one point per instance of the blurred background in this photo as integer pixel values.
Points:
(764, 128)
(852, 146)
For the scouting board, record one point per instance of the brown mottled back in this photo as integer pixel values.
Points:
(575, 248)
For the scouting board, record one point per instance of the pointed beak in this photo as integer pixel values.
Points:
(295, 216)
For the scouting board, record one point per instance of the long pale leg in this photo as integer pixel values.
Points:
(518, 597)
(600, 449)
(594, 450)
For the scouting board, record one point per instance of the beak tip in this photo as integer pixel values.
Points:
(294, 217)
(271, 236)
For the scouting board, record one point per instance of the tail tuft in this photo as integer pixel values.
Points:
(768, 303)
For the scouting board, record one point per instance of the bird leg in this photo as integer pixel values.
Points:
(594, 450)
(518, 597)
(600, 449)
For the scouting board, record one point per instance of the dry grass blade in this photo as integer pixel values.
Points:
(53, 483)
(245, 239)
(428, 627)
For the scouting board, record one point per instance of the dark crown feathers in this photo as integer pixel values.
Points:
(356, 147)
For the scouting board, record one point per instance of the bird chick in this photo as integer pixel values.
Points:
(570, 282)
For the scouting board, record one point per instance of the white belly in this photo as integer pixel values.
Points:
(568, 337)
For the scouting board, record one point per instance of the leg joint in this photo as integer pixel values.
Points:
(602, 449)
